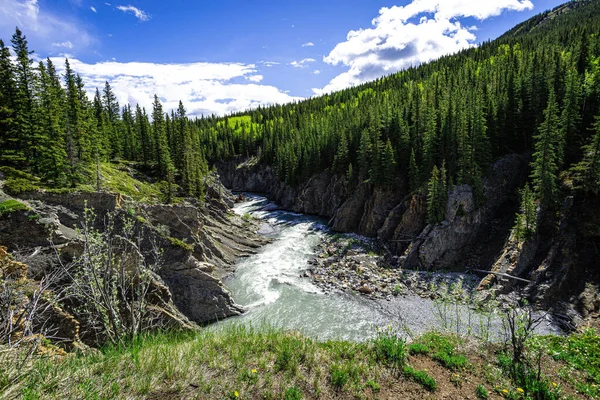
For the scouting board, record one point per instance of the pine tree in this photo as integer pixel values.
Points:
(25, 116)
(545, 159)
(163, 154)
(364, 156)
(525, 225)
(111, 107)
(437, 195)
(414, 174)
(588, 170)
(52, 155)
(388, 165)
(11, 143)
(341, 159)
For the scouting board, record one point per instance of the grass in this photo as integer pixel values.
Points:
(481, 392)
(442, 348)
(421, 377)
(11, 206)
(119, 181)
(240, 362)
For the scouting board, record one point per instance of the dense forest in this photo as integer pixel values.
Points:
(535, 90)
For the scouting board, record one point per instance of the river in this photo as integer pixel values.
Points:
(271, 287)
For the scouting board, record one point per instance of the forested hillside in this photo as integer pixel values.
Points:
(536, 89)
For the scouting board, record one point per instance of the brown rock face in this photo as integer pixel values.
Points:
(200, 244)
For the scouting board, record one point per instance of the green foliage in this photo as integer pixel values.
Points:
(580, 351)
(421, 377)
(180, 243)
(525, 224)
(293, 393)
(437, 195)
(535, 88)
(442, 348)
(390, 348)
(545, 165)
(11, 206)
(481, 392)
(339, 376)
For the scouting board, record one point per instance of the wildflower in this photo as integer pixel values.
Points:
(554, 384)
(504, 391)
(236, 394)
(254, 371)
(520, 390)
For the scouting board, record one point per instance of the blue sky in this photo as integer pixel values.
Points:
(227, 55)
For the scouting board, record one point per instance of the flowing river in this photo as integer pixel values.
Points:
(271, 287)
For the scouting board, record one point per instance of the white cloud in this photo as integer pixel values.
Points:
(404, 36)
(204, 88)
(255, 78)
(308, 44)
(93, 9)
(139, 14)
(316, 72)
(269, 64)
(302, 63)
(66, 44)
(42, 28)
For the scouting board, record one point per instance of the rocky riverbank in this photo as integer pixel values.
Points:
(353, 264)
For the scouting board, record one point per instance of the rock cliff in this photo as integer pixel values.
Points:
(199, 244)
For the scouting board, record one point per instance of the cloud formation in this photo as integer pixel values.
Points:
(45, 29)
(204, 88)
(302, 63)
(93, 9)
(404, 36)
(67, 44)
(139, 14)
(308, 44)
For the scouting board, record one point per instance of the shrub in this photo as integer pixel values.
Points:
(481, 392)
(390, 348)
(293, 393)
(339, 376)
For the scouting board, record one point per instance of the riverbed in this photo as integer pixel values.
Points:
(273, 287)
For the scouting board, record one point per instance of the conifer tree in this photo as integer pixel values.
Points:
(52, 155)
(11, 144)
(525, 225)
(414, 174)
(25, 116)
(437, 195)
(545, 159)
(588, 170)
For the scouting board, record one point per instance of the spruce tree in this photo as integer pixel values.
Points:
(52, 155)
(588, 170)
(545, 159)
(25, 116)
(525, 225)
(11, 143)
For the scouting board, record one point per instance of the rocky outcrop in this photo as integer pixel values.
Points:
(199, 244)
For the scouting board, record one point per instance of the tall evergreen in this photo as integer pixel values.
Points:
(546, 157)
(11, 141)
(588, 170)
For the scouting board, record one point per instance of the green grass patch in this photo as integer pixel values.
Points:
(180, 243)
(11, 206)
(421, 377)
(580, 351)
(442, 348)
(481, 392)
(119, 181)
(390, 348)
